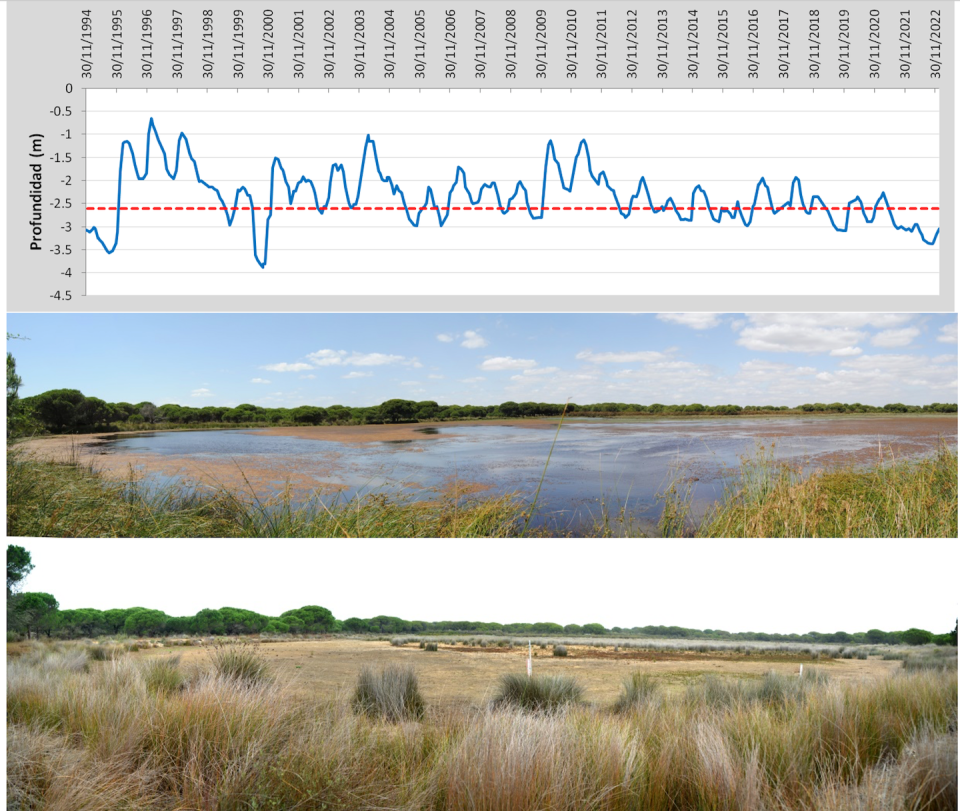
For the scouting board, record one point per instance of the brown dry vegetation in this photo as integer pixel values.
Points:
(467, 676)
(150, 732)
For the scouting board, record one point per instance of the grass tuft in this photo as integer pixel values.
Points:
(241, 663)
(639, 689)
(163, 676)
(540, 692)
(392, 693)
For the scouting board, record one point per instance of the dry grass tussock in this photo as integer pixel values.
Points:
(116, 735)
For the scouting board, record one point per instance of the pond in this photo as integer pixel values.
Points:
(620, 463)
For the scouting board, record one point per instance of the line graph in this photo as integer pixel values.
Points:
(430, 204)
(828, 172)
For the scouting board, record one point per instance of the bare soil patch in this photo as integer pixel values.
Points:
(394, 433)
(467, 676)
(256, 475)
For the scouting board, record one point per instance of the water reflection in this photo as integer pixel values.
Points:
(621, 464)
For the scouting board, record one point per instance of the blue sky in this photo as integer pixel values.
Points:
(480, 359)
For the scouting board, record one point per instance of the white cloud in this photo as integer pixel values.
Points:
(445, 337)
(808, 339)
(890, 338)
(435, 377)
(846, 352)
(500, 364)
(620, 357)
(546, 370)
(948, 334)
(473, 380)
(201, 393)
(259, 380)
(287, 367)
(663, 370)
(308, 377)
(692, 320)
(473, 340)
(812, 333)
(327, 357)
(767, 370)
(355, 375)
(848, 320)
(340, 357)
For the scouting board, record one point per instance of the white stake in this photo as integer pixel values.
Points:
(801, 671)
(529, 659)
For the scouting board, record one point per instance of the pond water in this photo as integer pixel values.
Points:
(622, 463)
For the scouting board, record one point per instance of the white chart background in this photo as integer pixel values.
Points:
(840, 144)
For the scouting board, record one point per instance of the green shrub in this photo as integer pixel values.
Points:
(537, 692)
(430, 646)
(559, 650)
(392, 693)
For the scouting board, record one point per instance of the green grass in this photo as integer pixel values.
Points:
(769, 499)
(72, 500)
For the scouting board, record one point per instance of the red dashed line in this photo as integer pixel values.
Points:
(670, 207)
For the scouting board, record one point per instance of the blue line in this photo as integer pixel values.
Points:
(599, 179)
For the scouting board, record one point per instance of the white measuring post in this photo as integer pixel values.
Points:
(801, 671)
(529, 659)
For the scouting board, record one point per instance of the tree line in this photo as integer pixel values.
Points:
(39, 614)
(70, 411)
